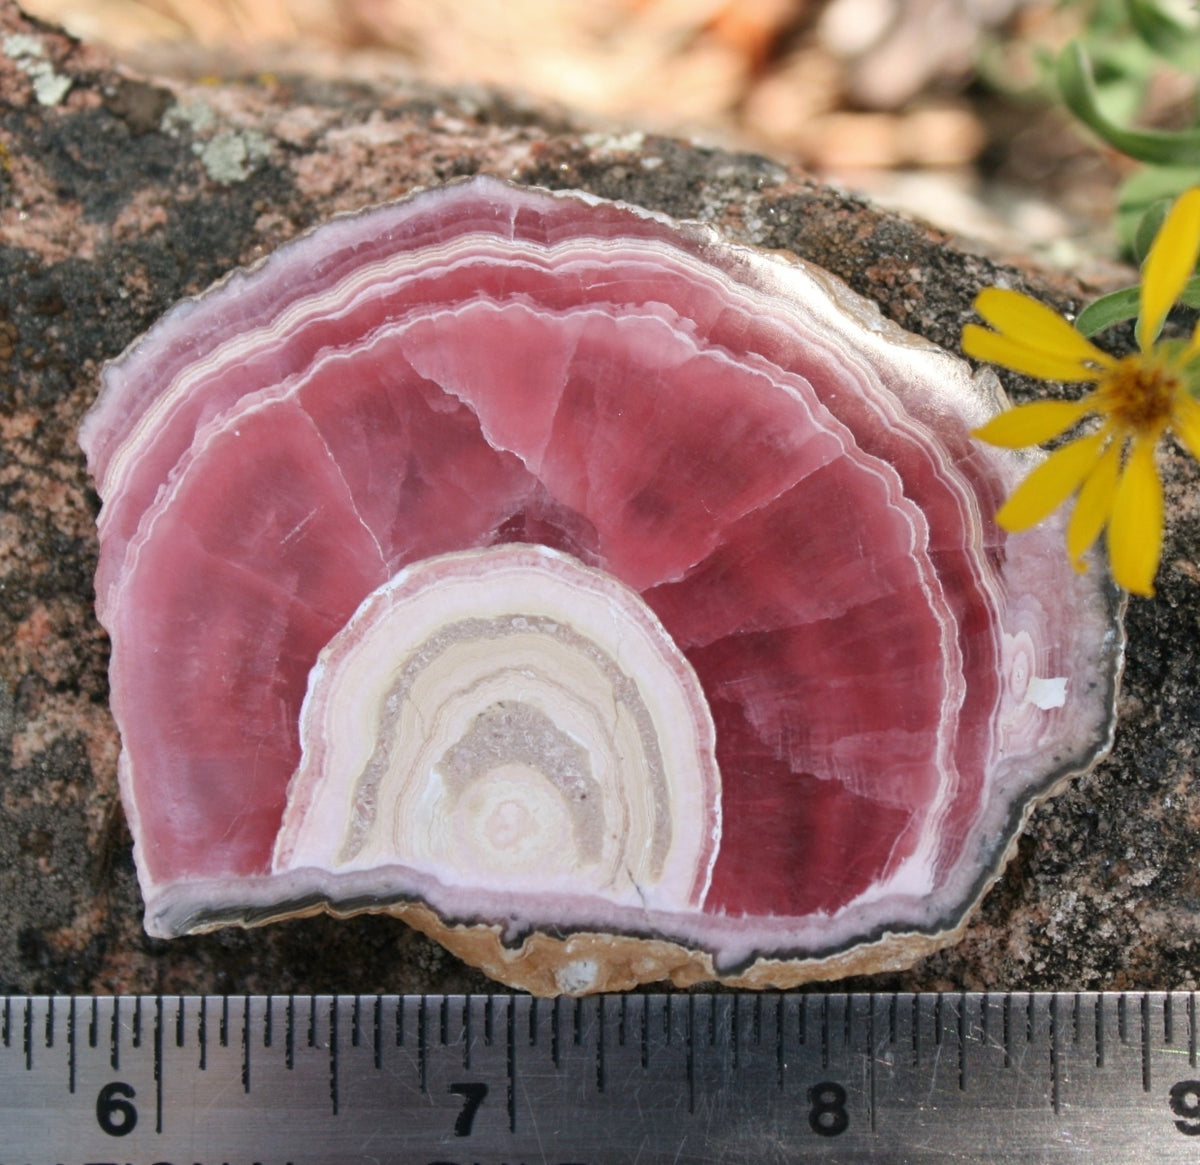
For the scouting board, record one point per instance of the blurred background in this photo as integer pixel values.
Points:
(945, 108)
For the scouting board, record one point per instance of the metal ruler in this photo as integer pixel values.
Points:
(510, 1080)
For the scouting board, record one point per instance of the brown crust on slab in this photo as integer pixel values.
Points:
(584, 963)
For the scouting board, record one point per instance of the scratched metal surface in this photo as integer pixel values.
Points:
(319, 1080)
(108, 215)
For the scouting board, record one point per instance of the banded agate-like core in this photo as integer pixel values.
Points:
(607, 600)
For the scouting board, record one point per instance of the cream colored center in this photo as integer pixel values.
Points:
(511, 719)
(512, 820)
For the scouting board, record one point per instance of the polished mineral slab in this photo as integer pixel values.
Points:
(609, 601)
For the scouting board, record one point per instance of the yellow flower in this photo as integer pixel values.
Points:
(1111, 470)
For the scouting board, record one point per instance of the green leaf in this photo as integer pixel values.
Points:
(1114, 308)
(1118, 306)
(1152, 187)
(1120, 67)
(1147, 229)
(1078, 87)
(1168, 36)
(1191, 293)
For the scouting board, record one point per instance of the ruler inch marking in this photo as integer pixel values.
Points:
(862, 1009)
(644, 1049)
(246, 1045)
(735, 1033)
(600, 1017)
(202, 1032)
(1008, 1028)
(71, 1038)
(827, 1025)
(689, 1043)
(1192, 1041)
(422, 1049)
(929, 1027)
(1055, 1055)
(1144, 1009)
(780, 1049)
(333, 1053)
(466, 1032)
(960, 1032)
(158, 1064)
(114, 1035)
(872, 1060)
(1077, 1021)
(511, 1063)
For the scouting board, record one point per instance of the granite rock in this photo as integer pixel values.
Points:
(119, 195)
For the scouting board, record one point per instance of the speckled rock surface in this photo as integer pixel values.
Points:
(119, 195)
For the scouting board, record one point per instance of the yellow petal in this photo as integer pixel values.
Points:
(1135, 528)
(1004, 350)
(1186, 424)
(1093, 506)
(1050, 484)
(1171, 261)
(1031, 424)
(1035, 325)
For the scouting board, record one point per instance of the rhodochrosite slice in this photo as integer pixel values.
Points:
(608, 601)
